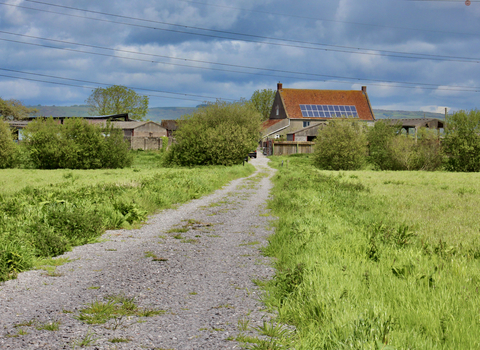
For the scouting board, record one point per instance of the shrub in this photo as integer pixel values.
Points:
(115, 151)
(43, 142)
(391, 150)
(340, 145)
(219, 134)
(428, 151)
(379, 138)
(8, 148)
(76, 144)
(462, 141)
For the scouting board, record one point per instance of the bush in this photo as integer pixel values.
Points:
(219, 134)
(340, 145)
(8, 148)
(462, 141)
(379, 139)
(428, 152)
(115, 151)
(76, 144)
(391, 150)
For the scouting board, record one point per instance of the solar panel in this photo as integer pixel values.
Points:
(329, 111)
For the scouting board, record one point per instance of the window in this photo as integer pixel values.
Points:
(277, 110)
(305, 124)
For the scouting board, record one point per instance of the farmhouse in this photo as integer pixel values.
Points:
(298, 113)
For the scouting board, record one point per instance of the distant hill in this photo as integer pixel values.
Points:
(387, 114)
(157, 114)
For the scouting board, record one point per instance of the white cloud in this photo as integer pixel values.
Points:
(434, 109)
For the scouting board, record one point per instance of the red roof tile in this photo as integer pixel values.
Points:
(270, 122)
(293, 98)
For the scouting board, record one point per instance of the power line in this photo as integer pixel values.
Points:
(83, 86)
(317, 46)
(356, 79)
(435, 87)
(97, 83)
(330, 20)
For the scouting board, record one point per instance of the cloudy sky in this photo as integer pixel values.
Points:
(411, 54)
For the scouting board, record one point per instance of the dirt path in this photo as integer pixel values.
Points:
(201, 278)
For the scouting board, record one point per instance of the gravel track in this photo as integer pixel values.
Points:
(204, 285)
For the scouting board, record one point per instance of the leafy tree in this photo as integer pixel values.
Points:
(462, 141)
(14, 110)
(118, 99)
(220, 134)
(8, 148)
(340, 145)
(263, 101)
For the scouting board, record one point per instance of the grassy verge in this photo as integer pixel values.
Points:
(376, 260)
(44, 213)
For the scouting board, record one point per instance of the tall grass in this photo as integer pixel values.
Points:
(376, 260)
(47, 219)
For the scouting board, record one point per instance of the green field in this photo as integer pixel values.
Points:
(44, 213)
(375, 260)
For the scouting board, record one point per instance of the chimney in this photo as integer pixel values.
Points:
(364, 89)
(279, 86)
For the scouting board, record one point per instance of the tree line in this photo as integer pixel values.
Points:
(350, 145)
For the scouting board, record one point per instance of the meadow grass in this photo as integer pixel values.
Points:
(43, 213)
(376, 260)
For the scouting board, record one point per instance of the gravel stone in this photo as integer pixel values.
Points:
(203, 279)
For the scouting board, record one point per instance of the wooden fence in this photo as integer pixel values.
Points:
(291, 147)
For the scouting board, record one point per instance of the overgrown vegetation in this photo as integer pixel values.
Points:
(76, 144)
(47, 218)
(389, 149)
(376, 260)
(462, 141)
(348, 145)
(221, 133)
(8, 148)
(341, 144)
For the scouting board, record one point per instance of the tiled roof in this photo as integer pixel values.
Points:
(293, 98)
(270, 122)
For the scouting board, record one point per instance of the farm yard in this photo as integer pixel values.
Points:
(376, 260)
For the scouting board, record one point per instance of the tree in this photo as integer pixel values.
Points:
(220, 134)
(118, 99)
(263, 101)
(340, 145)
(8, 148)
(462, 141)
(14, 110)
